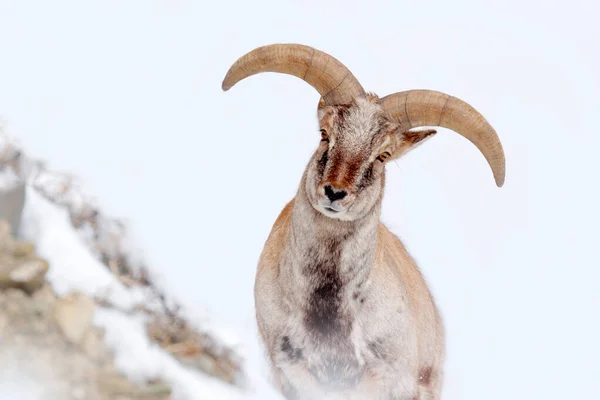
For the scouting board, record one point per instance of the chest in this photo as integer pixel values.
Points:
(326, 314)
(338, 346)
(326, 345)
(325, 284)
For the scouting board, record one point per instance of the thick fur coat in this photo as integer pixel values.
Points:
(342, 308)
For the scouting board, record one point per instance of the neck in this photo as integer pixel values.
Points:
(313, 230)
(327, 263)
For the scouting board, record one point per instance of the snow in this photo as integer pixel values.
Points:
(17, 385)
(73, 267)
(24, 380)
(137, 357)
(8, 178)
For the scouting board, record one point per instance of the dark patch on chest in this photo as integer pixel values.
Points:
(324, 317)
(293, 354)
(326, 321)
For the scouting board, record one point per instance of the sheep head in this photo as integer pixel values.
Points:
(360, 132)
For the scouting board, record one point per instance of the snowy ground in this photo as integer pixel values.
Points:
(74, 267)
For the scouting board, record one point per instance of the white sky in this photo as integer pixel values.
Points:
(127, 95)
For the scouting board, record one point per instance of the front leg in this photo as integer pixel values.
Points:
(282, 385)
(297, 383)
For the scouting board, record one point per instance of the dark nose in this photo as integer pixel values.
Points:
(334, 194)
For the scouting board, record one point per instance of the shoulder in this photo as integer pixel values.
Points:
(388, 244)
(271, 254)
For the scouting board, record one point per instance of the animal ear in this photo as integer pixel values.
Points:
(408, 140)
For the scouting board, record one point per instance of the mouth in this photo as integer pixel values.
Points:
(330, 208)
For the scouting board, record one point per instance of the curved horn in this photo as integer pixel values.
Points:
(415, 108)
(328, 76)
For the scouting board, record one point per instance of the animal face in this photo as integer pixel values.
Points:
(345, 176)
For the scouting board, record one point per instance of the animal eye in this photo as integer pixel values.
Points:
(384, 156)
(324, 135)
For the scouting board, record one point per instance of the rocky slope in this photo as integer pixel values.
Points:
(50, 341)
(54, 298)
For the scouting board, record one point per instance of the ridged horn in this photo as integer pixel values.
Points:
(328, 76)
(416, 108)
